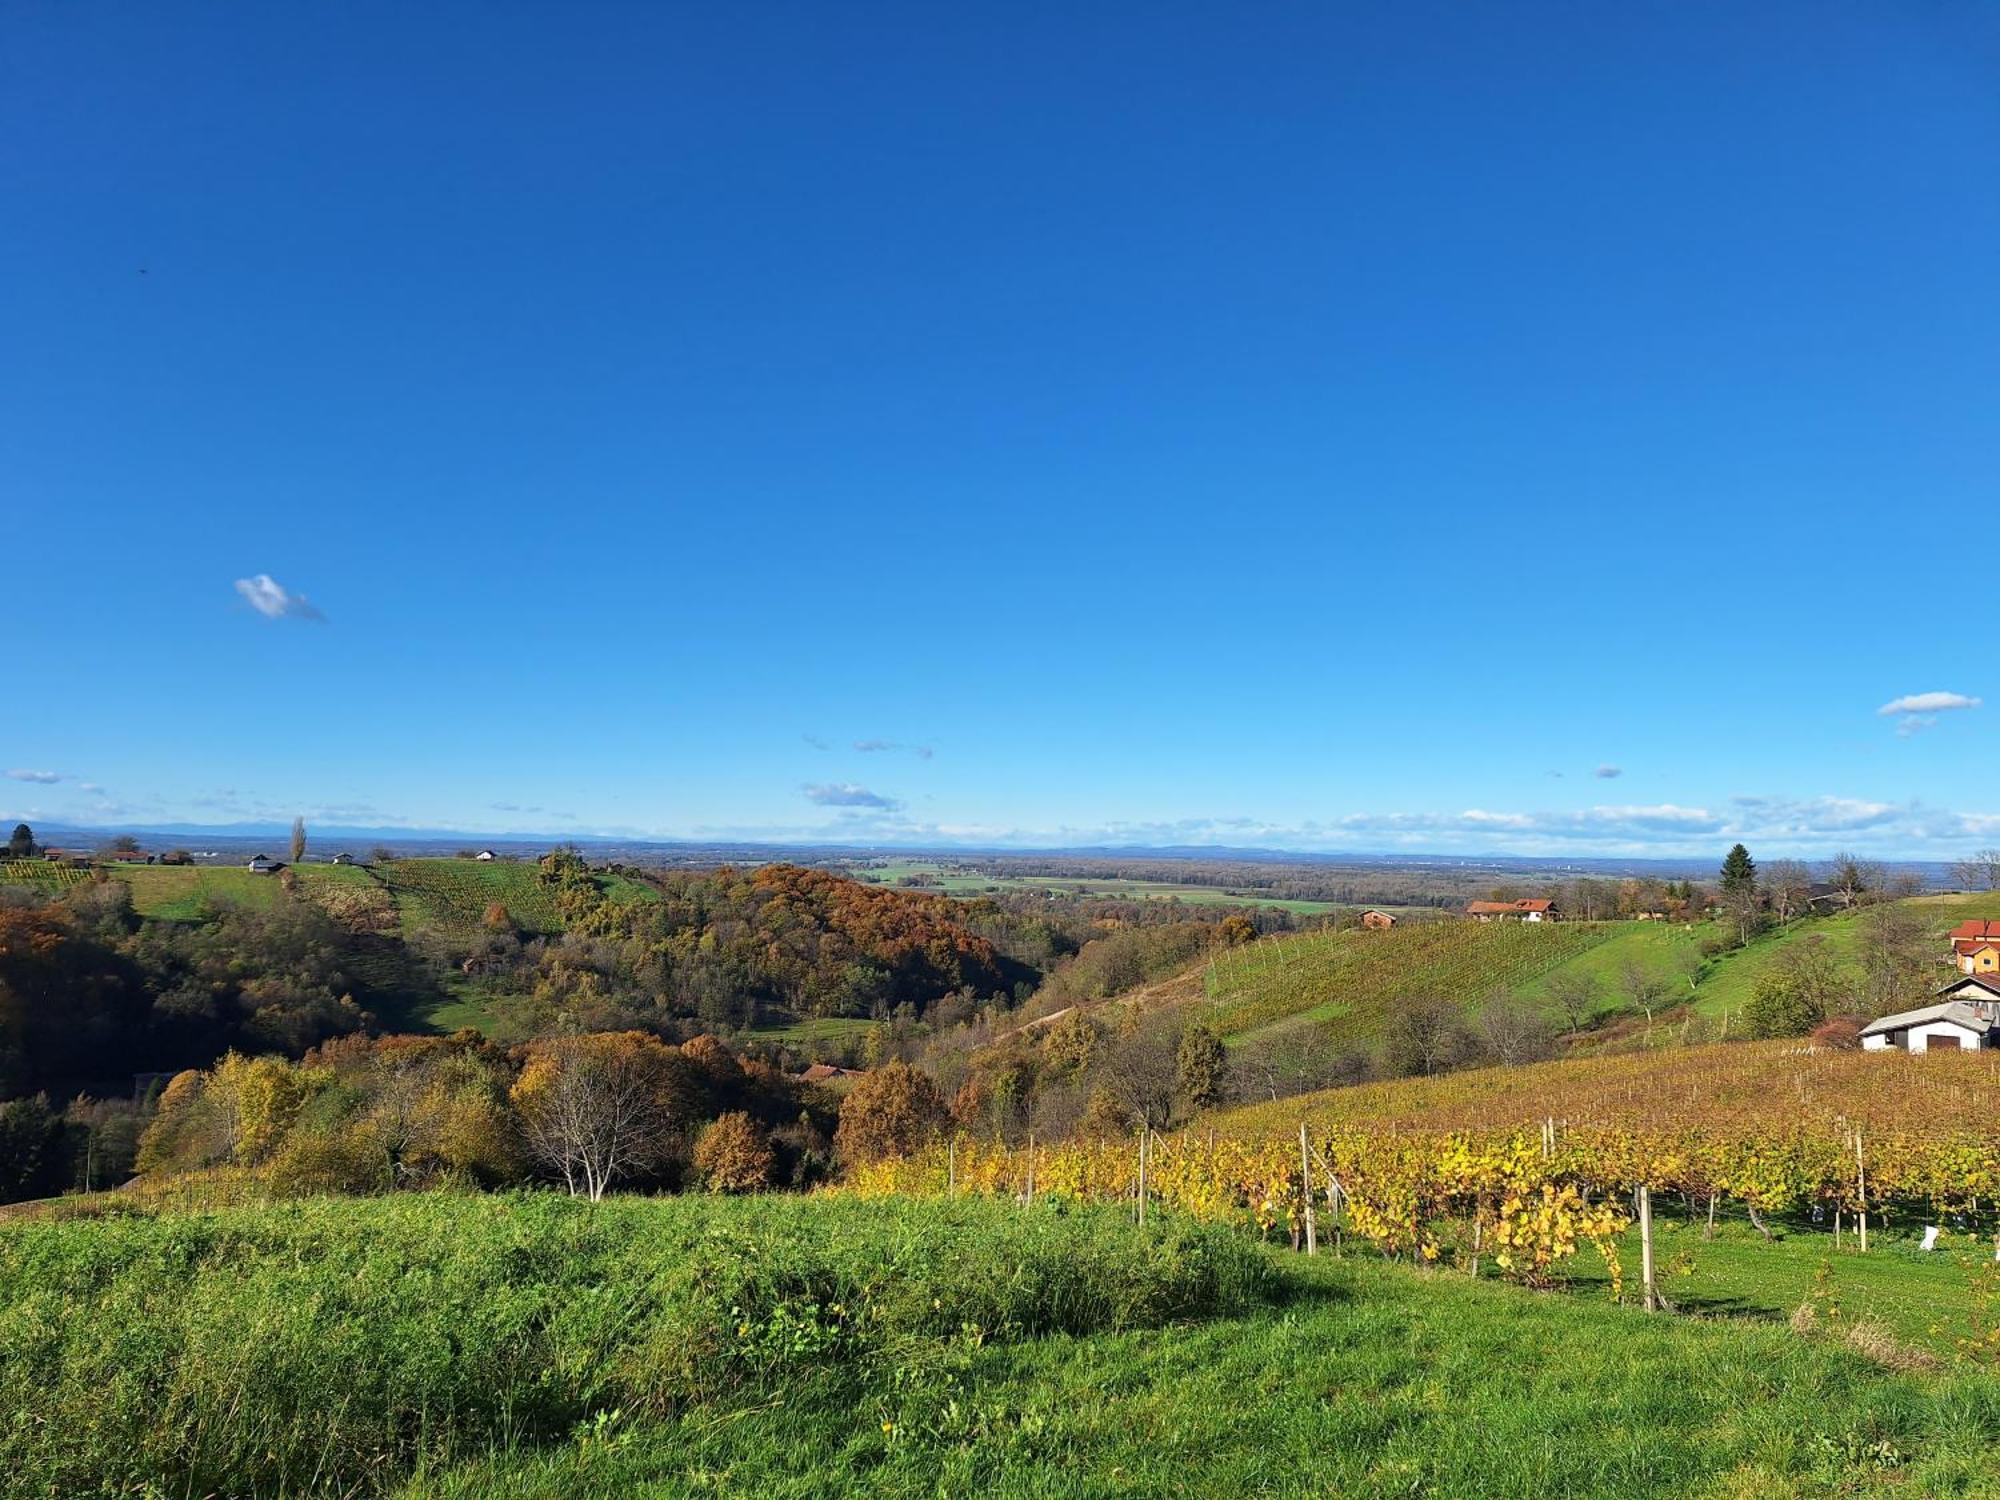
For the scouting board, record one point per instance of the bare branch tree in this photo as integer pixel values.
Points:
(1788, 885)
(1979, 872)
(598, 1109)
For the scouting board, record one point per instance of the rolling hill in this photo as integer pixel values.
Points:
(1344, 986)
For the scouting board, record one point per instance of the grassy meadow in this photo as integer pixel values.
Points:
(954, 880)
(526, 1345)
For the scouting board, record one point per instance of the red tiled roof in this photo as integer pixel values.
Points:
(1975, 928)
(1483, 908)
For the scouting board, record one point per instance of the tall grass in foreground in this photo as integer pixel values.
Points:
(333, 1345)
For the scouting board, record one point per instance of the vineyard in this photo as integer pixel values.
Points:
(1351, 981)
(1519, 1168)
(41, 873)
(453, 894)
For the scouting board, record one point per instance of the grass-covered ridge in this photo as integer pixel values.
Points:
(340, 1345)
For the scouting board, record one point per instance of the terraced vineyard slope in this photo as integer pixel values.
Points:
(1350, 982)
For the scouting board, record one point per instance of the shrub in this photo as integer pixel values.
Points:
(893, 1111)
(1840, 1033)
(734, 1155)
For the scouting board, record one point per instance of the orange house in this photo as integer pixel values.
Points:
(1377, 919)
(1975, 947)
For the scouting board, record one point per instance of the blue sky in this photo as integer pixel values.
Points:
(1358, 427)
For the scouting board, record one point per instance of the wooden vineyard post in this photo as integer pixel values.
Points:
(1031, 1166)
(1306, 1190)
(1145, 1130)
(951, 1168)
(1861, 1187)
(1652, 1296)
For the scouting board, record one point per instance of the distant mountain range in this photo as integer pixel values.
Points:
(332, 839)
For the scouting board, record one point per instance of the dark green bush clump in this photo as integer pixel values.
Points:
(333, 1344)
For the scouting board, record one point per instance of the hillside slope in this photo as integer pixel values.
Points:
(1345, 986)
(1766, 1085)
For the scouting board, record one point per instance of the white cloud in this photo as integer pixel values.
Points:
(274, 601)
(43, 778)
(886, 747)
(1927, 703)
(1918, 711)
(845, 794)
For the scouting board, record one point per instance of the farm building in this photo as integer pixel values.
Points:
(1378, 919)
(1954, 1025)
(343, 858)
(263, 864)
(821, 1072)
(1975, 947)
(1531, 910)
(484, 854)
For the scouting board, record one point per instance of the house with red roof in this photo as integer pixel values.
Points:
(1535, 910)
(1975, 947)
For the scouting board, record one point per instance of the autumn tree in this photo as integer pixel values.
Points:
(1512, 1031)
(1073, 1044)
(1896, 958)
(1574, 994)
(1201, 1068)
(601, 1108)
(733, 1155)
(1234, 930)
(1426, 1036)
(895, 1110)
(298, 839)
(1105, 1117)
(1805, 986)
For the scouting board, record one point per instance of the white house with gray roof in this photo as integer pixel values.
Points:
(1965, 1017)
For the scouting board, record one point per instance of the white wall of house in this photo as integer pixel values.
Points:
(1879, 1042)
(1934, 1034)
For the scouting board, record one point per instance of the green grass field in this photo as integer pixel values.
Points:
(1350, 982)
(815, 1029)
(528, 1346)
(955, 881)
(430, 895)
(1734, 978)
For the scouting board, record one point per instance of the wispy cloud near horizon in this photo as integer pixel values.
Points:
(846, 794)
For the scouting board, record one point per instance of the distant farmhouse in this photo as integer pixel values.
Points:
(263, 864)
(1535, 910)
(484, 854)
(1378, 919)
(343, 858)
(1966, 1014)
